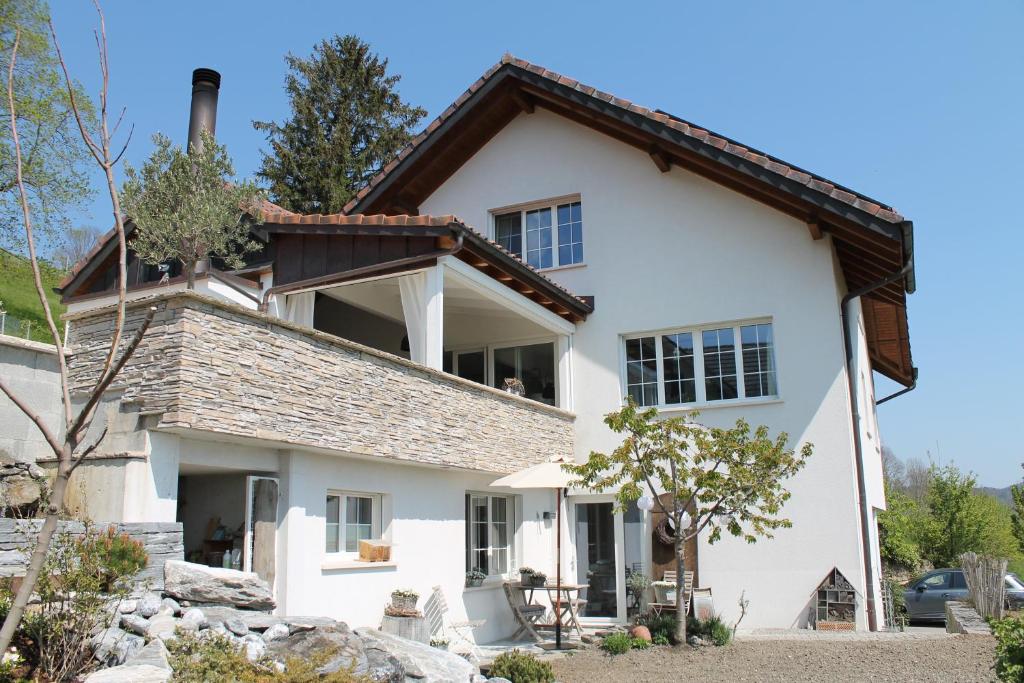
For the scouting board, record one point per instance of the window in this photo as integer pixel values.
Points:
(701, 365)
(489, 533)
(533, 365)
(466, 364)
(534, 227)
(351, 517)
(936, 581)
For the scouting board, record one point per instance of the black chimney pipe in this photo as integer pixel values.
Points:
(205, 88)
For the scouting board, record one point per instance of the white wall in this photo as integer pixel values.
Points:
(675, 250)
(30, 370)
(426, 511)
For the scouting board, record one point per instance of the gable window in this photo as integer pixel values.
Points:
(702, 365)
(490, 523)
(351, 517)
(552, 235)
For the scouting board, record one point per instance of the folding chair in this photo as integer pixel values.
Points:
(526, 614)
(435, 610)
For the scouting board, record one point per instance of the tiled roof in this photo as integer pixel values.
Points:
(770, 163)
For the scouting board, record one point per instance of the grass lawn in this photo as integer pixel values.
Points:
(18, 294)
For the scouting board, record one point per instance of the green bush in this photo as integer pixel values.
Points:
(216, 658)
(1009, 664)
(617, 643)
(660, 625)
(520, 667)
(641, 644)
(713, 629)
(118, 556)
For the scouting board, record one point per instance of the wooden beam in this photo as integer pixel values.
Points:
(524, 101)
(660, 159)
(814, 227)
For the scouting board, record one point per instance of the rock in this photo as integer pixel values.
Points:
(276, 631)
(172, 605)
(346, 647)
(694, 641)
(478, 678)
(382, 666)
(128, 606)
(154, 654)
(237, 626)
(498, 679)
(256, 621)
(199, 583)
(112, 646)
(161, 626)
(143, 673)
(254, 647)
(149, 605)
(193, 619)
(420, 661)
(641, 632)
(19, 490)
(134, 623)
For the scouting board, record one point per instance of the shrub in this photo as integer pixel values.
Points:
(118, 556)
(661, 639)
(617, 643)
(79, 579)
(640, 644)
(663, 625)
(713, 629)
(1009, 635)
(216, 658)
(520, 667)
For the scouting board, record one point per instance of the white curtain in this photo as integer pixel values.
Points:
(299, 308)
(413, 289)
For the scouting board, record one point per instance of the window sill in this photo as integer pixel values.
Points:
(702, 407)
(570, 266)
(347, 564)
(488, 585)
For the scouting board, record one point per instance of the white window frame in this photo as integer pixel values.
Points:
(489, 350)
(552, 204)
(698, 365)
(376, 513)
(512, 506)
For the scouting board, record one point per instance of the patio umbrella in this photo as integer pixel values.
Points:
(547, 475)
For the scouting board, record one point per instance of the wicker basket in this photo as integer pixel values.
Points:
(374, 551)
(404, 603)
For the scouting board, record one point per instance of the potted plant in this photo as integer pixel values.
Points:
(665, 592)
(637, 583)
(526, 576)
(538, 579)
(404, 600)
(440, 642)
(475, 577)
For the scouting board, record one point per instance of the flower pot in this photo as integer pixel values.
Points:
(538, 581)
(474, 583)
(664, 592)
(526, 579)
(405, 603)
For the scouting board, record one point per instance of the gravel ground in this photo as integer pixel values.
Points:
(957, 659)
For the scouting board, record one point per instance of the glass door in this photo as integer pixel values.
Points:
(598, 540)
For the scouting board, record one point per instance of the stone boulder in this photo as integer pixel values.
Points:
(345, 647)
(198, 583)
(142, 673)
(112, 646)
(420, 661)
(154, 654)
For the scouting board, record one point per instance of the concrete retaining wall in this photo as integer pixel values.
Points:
(962, 618)
(162, 541)
(30, 369)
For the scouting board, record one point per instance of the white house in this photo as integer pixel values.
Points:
(348, 383)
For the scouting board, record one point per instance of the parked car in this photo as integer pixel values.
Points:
(926, 597)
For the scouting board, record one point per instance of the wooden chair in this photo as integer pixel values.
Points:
(435, 610)
(659, 607)
(526, 614)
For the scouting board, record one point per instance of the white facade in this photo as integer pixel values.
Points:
(672, 250)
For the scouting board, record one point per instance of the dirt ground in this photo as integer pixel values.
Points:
(957, 659)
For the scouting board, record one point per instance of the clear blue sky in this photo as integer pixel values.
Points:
(918, 104)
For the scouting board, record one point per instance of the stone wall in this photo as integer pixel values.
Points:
(963, 618)
(162, 541)
(30, 369)
(220, 368)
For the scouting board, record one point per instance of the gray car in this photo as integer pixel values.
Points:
(926, 597)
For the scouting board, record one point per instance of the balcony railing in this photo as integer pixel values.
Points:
(219, 368)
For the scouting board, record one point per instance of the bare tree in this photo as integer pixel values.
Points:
(70, 450)
(74, 244)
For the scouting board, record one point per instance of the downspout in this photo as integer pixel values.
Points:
(323, 280)
(905, 390)
(905, 273)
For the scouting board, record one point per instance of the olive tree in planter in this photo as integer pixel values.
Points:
(728, 479)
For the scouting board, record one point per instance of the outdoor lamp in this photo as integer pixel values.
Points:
(645, 503)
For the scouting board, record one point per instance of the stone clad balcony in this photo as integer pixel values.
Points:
(233, 373)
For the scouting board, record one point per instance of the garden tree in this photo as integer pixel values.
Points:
(899, 529)
(68, 443)
(54, 158)
(716, 478)
(347, 121)
(74, 245)
(1017, 516)
(188, 207)
(958, 522)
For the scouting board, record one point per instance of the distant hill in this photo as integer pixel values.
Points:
(1002, 494)
(18, 294)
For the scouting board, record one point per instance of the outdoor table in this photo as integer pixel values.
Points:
(567, 617)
